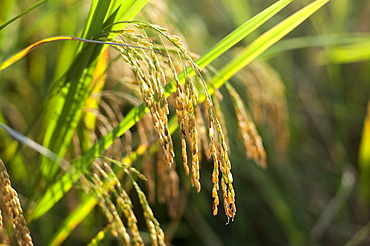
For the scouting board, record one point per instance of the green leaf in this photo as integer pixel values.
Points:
(264, 42)
(315, 41)
(241, 32)
(27, 50)
(73, 90)
(32, 144)
(55, 193)
(22, 13)
(352, 53)
(364, 158)
(73, 220)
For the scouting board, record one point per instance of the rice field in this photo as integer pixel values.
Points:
(134, 122)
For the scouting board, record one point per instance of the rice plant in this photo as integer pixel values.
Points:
(117, 132)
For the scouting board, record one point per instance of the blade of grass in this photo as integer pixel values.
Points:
(57, 190)
(76, 83)
(238, 10)
(352, 53)
(264, 42)
(360, 236)
(22, 13)
(97, 85)
(340, 11)
(27, 50)
(240, 33)
(72, 91)
(72, 221)
(364, 158)
(341, 197)
(314, 41)
(33, 145)
(4, 12)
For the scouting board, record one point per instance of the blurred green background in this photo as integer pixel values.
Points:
(308, 95)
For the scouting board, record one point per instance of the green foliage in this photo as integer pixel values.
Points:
(102, 175)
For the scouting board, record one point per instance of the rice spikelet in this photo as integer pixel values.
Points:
(153, 70)
(247, 130)
(13, 206)
(267, 100)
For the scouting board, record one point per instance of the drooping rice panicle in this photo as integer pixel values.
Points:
(267, 101)
(149, 172)
(151, 76)
(4, 238)
(247, 130)
(155, 231)
(14, 209)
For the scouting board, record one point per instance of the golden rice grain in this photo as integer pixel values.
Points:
(252, 140)
(13, 206)
(159, 69)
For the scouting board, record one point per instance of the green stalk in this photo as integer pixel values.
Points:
(66, 106)
(22, 13)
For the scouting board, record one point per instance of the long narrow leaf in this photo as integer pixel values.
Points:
(33, 145)
(76, 83)
(264, 42)
(27, 50)
(364, 157)
(73, 220)
(241, 32)
(22, 13)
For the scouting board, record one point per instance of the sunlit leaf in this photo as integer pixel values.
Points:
(364, 157)
(22, 13)
(27, 50)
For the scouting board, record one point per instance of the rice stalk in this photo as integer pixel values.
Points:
(99, 236)
(217, 99)
(152, 73)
